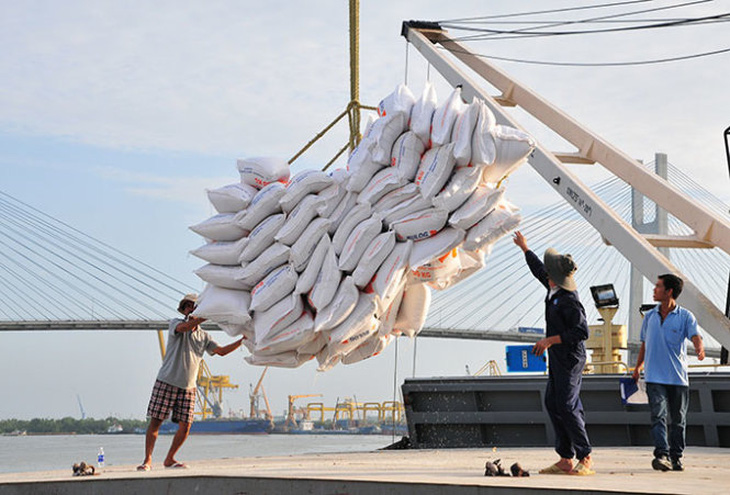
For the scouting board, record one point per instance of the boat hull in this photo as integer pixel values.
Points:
(223, 427)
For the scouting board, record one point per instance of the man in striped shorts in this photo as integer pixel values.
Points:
(174, 389)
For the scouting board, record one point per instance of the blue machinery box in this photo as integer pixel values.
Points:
(521, 358)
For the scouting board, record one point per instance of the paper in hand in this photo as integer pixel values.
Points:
(633, 392)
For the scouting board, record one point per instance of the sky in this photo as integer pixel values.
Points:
(116, 116)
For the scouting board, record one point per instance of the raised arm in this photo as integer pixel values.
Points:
(189, 324)
(533, 262)
(227, 349)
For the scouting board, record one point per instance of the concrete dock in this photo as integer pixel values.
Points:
(423, 472)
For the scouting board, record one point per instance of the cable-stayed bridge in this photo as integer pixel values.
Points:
(42, 259)
(55, 278)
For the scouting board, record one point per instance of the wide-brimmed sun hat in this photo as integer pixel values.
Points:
(560, 269)
(193, 298)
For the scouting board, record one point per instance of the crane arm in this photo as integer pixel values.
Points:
(633, 246)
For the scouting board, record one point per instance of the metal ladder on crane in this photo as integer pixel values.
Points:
(641, 250)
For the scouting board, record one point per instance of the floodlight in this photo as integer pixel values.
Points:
(604, 295)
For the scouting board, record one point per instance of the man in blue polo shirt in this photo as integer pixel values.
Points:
(663, 352)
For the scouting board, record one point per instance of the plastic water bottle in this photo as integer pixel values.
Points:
(100, 458)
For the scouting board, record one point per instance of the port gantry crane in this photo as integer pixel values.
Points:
(710, 230)
(254, 395)
(291, 419)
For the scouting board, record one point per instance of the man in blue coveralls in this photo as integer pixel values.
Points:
(663, 352)
(565, 333)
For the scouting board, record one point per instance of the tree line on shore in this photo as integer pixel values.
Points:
(70, 425)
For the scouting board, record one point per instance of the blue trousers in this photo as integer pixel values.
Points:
(562, 401)
(668, 402)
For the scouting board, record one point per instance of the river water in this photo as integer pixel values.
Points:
(54, 452)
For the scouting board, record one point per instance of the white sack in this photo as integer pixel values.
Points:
(328, 280)
(362, 166)
(358, 241)
(406, 155)
(303, 249)
(360, 156)
(262, 237)
(390, 275)
(357, 320)
(382, 183)
(298, 219)
(442, 268)
(445, 116)
(445, 270)
(387, 319)
(231, 198)
(273, 256)
(463, 132)
(353, 218)
(261, 171)
(302, 184)
(290, 338)
(361, 178)
(332, 195)
(342, 211)
(396, 197)
(221, 227)
(417, 203)
(277, 285)
(369, 121)
(435, 246)
(461, 185)
(512, 148)
(483, 149)
(420, 225)
(384, 132)
(327, 358)
(264, 204)
(373, 346)
(223, 306)
(480, 203)
(364, 330)
(422, 113)
(339, 308)
(435, 169)
(279, 316)
(222, 276)
(471, 263)
(399, 101)
(413, 310)
(221, 252)
(374, 255)
(288, 359)
(502, 220)
(313, 346)
(244, 331)
(309, 275)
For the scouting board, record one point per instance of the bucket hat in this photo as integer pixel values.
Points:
(560, 269)
(193, 298)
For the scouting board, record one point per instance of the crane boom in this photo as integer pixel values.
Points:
(254, 395)
(708, 227)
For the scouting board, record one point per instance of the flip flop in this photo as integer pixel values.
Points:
(554, 469)
(143, 467)
(177, 465)
(582, 470)
(518, 472)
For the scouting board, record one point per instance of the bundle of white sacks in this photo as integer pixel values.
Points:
(334, 265)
